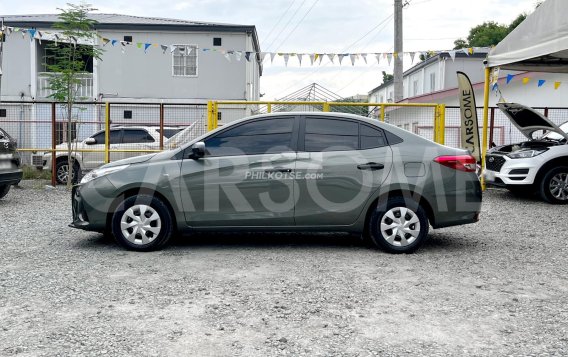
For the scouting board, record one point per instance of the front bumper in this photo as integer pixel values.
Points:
(91, 203)
(512, 172)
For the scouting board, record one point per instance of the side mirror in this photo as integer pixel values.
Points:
(198, 150)
(90, 141)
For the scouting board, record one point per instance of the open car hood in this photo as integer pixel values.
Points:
(528, 120)
(181, 138)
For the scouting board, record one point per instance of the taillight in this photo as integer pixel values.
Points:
(465, 163)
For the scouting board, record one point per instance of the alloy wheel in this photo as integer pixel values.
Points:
(400, 226)
(559, 186)
(140, 224)
(63, 173)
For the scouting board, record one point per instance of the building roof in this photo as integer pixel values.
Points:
(129, 22)
(480, 53)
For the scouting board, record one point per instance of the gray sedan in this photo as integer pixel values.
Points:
(285, 172)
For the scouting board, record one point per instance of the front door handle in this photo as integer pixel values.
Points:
(277, 169)
(371, 166)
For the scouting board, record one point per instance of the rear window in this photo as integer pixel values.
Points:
(4, 135)
(168, 133)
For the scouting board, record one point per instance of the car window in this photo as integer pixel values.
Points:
(168, 133)
(114, 137)
(371, 137)
(131, 136)
(267, 136)
(322, 134)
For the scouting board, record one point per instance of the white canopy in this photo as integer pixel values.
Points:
(540, 43)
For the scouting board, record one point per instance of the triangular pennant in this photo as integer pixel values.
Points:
(56, 36)
(164, 48)
(331, 57)
(312, 58)
(526, 80)
(378, 57)
(272, 54)
(113, 42)
(23, 33)
(510, 78)
(105, 41)
(389, 58)
(465, 50)
(189, 49)
(9, 30)
(340, 56)
(286, 58)
(262, 56)
(238, 55)
(247, 56)
(541, 82)
(146, 46)
(395, 55)
(364, 56)
(353, 57)
(123, 46)
(495, 86)
(557, 85)
(470, 51)
(227, 56)
(452, 55)
(139, 45)
(300, 55)
(413, 54)
(31, 32)
(320, 56)
(173, 48)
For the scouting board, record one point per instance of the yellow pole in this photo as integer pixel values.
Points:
(269, 107)
(107, 133)
(209, 115)
(382, 113)
(215, 115)
(442, 124)
(485, 123)
(326, 107)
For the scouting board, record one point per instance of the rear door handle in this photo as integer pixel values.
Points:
(371, 166)
(277, 169)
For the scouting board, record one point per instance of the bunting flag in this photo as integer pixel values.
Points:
(557, 85)
(31, 32)
(541, 82)
(227, 55)
(105, 41)
(238, 55)
(262, 56)
(139, 44)
(113, 42)
(395, 55)
(146, 46)
(312, 57)
(412, 54)
(272, 54)
(364, 56)
(172, 48)
(353, 57)
(510, 78)
(340, 57)
(526, 80)
(466, 51)
(452, 55)
(320, 56)
(164, 48)
(247, 56)
(300, 59)
(331, 57)
(286, 58)
(378, 57)
(389, 58)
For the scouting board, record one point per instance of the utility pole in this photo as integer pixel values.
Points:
(398, 90)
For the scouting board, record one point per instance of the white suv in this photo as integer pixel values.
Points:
(539, 164)
(121, 138)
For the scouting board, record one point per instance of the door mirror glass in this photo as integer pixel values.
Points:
(90, 141)
(198, 150)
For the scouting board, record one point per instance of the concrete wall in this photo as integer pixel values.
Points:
(16, 67)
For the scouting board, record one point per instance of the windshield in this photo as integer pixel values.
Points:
(168, 133)
(555, 136)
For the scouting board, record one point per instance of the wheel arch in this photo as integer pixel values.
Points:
(559, 161)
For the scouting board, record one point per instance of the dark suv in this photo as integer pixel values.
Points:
(10, 172)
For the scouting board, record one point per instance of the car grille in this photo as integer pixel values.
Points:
(494, 162)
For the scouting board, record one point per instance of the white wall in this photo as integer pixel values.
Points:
(16, 67)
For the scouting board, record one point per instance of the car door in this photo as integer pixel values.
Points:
(245, 178)
(340, 163)
(92, 160)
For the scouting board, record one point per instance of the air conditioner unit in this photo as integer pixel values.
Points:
(37, 160)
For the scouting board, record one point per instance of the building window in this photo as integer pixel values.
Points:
(2, 113)
(432, 82)
(184, 60)
(61, 132)
(381, 99)
(216, 41)
(128, 39)
(415, 88)
(128, 114)
(219, 116)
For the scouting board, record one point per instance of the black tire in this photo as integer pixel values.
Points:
(61, 171)
(4, 190)
(154, 241)
(554, 185)
(406, 241)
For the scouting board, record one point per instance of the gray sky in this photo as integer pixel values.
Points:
(320, 26)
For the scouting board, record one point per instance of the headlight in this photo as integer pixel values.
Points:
(525, 154)
(101, 172)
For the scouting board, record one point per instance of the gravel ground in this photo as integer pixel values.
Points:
(498, 287)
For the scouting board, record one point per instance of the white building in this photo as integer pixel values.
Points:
(435, 81)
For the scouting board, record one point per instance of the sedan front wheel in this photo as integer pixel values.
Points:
(142, 223)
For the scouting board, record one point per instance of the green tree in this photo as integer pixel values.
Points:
(387, 77)
(67, 63)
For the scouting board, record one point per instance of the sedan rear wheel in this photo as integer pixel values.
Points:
(554, 185)
(399, 225)
(142, 223)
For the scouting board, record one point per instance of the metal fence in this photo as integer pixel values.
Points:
(104, 132)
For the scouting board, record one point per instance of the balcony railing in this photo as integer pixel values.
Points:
(84, 88)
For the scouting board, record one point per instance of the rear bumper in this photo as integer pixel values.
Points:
(10, 177)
